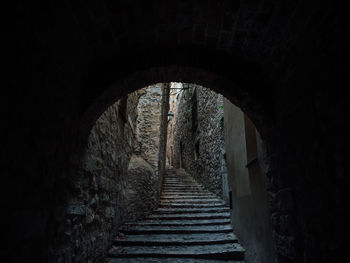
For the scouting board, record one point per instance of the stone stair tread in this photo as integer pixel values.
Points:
(191, 225)
(180, 222)
(179, 228)
(221, 251)
(201, 200)
(169, 260)
(182, 184)
(139, 230)
(175, 196)
(191, 205)
(187, 190)
(185, 194)
(191, 215)
(174, 199)
(176, 239)
(170, 210)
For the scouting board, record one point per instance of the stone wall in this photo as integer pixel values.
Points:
(148, 123)
(141, 189)
(175, 90)
(163, 130)
(198, 135)
(113, 185)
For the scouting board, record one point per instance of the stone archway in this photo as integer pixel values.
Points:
(65, 56)
(143, 78)
(256, 108)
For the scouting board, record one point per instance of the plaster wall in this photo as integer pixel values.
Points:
(250, 217)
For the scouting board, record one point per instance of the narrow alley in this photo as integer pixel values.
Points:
(176, 196)
(190, 224)
(175, 131)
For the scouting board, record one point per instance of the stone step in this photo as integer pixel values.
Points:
(185, 192)
(184, 188)
(169, 260)
(187, 188)
(176, 177)
(185, 195)
(222, 251)
(190, 222)
(175, 239)
(188, 216)
(191, 225)
(139, 230)
(172, 198)
(190, 194)
(180, 183)
(191, 201)
(191, 210)
(185, 182)
(186, 205)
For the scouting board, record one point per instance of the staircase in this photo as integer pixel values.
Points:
(191, 225)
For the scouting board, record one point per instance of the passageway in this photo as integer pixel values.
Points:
(164, 182)
(73, 169)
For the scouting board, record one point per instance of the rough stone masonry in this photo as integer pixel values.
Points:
(118, 179)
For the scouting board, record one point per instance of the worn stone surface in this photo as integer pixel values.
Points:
(98, 204)
(141, 190)
(148, 124)
(222, 251)
(184, 236)
(199, 135)
(172, 239)
(114, 184)
(170, 260)
(163, 130)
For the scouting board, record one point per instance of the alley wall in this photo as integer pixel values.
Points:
(117, 180)
(198, 136)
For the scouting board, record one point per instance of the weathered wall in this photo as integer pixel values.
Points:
(174, 94)
(163, 132)
(152, 126)
(113, 185)
(98, 205)
(142, 193)
(148, 123)
(250, 215)
(198, 135)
